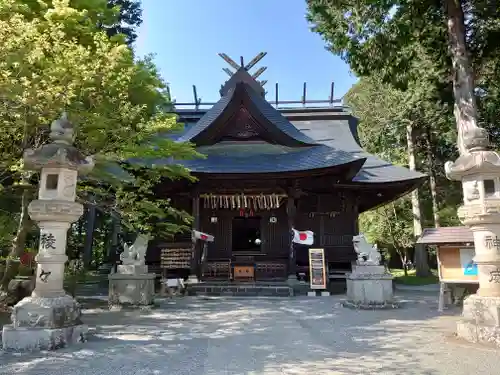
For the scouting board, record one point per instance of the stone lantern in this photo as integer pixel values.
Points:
(479, 171)
(50, 318)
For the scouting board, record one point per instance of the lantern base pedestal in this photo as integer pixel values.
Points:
(480, 321)
(44, 323)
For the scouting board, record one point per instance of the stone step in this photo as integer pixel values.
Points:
(241, 291)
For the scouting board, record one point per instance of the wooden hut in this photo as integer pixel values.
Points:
(455, 252)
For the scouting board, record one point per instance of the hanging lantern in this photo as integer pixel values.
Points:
(273, 219)
(213, 219)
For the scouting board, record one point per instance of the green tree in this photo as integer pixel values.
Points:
(114, 100)
(390, 228)
(118, 18)
(391, 39)
(400, 126)
(129, 17)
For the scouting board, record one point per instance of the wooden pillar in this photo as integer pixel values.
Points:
(291, 211)
(195, 259)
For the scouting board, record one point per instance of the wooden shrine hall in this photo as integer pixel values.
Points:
(268, 169)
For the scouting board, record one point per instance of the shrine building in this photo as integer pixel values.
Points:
(271, 167)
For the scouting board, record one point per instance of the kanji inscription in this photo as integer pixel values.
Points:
(491, 242)
(44, 275)
(47, 241)
(495, 276)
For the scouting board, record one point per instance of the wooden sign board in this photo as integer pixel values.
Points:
(176, 258)
(317, 271)
(456, 265)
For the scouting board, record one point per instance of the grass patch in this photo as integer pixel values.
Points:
(412, 279)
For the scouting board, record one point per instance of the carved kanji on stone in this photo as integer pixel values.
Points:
(47, 241)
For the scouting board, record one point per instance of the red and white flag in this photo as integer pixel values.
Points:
(196, 235)
(303, 237)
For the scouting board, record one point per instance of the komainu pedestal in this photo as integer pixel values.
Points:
(132, 284)
(133, 290)
(368, 285)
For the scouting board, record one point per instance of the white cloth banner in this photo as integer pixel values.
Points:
(303, 237)
(196, 235)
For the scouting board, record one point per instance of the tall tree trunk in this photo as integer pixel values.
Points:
(401, 253)
(19, 241)
(432, 178)
(421, 261)
(463, 82)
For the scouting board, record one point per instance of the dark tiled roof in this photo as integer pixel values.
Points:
(267, 110)
(341, 134)
(310, 158)
(336, 128)
(446, 235)
(207, 119)
(275, 117)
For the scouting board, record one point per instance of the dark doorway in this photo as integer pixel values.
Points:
(246, 234)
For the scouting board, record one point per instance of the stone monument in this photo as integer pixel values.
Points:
(132, 284)
(368, 285)
(479, 170)
(50, 318)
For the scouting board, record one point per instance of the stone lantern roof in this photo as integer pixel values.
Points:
(478, 159)
(60, 153)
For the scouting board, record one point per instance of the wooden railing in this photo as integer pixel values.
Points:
(217, 270)
(270, 270)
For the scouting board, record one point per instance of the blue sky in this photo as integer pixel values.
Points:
(186, 35)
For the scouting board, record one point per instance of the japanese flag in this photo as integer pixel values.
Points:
(303, 237)
(201, 236)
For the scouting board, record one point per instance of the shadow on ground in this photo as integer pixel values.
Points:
(219, 336)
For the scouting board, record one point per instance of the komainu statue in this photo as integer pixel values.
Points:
(135, 253)
(368, 255)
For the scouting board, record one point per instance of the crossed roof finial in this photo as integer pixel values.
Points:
(246, 67)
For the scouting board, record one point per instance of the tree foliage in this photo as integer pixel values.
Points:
(129, 17)
(57, 60)
(406, 42)
(384, 112)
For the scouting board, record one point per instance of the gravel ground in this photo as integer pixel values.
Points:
(222, 336)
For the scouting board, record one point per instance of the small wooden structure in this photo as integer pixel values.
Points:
(455, 253)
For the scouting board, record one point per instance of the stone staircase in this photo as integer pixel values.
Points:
(241, 289)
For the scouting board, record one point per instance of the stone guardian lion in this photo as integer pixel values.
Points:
(368, 255)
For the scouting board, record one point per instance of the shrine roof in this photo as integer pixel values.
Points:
(340, 132)
(446, 235)
(274, 120)
(298, 160)
(333, 127)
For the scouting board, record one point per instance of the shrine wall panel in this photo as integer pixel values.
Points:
(276, 237)
(333, 220)
(221, 247)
